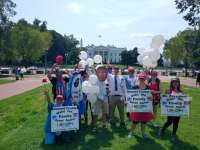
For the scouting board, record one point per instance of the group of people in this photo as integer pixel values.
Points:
(19, 73)
(67, 91)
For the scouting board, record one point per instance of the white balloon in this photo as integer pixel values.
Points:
(146, 61)
(90, 62)
(96, 89)
(157, 41)
(141, 50)
(92, 98)
(82, 64)
(93, 89)
(154, 64)
(139, 59)
(153, 54)
(83, 55)
(85, 87)
(97, 59)
(93, 79)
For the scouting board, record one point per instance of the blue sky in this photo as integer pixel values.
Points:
(123, 23)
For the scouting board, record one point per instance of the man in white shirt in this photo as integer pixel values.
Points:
(101, 105)
(115, 96)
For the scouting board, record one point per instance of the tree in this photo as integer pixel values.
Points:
(129, 57)
(36, 23)
(6, 11)
(175, 50)
(184, 49)
(62, 45)
(191, 8)
(28, 43)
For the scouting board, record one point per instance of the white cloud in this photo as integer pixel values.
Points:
(74, 7)
(116, 24)
(141, 35)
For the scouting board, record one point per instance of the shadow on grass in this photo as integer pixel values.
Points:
(144, 144)
(85, 139)
(176, 144)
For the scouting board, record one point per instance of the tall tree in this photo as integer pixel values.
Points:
(28, 43)
(6, 11)
(191, 9)
(62, 45)
(129, 57)
(185, 48)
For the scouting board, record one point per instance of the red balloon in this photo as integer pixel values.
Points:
(44, 80)
(59, 59)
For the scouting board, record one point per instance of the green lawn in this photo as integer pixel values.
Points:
(22, 119)
(4, 81)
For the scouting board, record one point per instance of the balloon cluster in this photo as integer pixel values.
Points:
(90, 88)
(84, 60)
(149, 57)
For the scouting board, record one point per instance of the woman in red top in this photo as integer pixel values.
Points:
(141, 117)
(154, 86)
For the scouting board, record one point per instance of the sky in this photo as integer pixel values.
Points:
(122, 23)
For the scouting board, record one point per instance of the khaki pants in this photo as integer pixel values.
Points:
(100, 107)
(113, 102)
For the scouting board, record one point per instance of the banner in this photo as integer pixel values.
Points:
(139, 101)
(64, 118)
(175, 105)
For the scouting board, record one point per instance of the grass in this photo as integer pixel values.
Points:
(4, 81)
(22, 120)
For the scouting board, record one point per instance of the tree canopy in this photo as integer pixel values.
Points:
(184, 48)
(28, 43)
(191, 10)
(129, 57)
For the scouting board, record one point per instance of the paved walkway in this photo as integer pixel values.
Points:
(184, 81)
(31, 82)
(20, 86)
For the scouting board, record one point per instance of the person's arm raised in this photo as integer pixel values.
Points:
(51, 71)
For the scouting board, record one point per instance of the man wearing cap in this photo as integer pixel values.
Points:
(115, 96)
(101, 105)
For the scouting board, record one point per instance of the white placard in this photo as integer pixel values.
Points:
(139, 101)
(64, 118)
(175, 105)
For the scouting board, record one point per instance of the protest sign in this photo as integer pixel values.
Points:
(139, 101)
(64, 118)
(175, 105)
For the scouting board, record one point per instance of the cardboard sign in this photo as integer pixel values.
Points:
(64, 118)
(175, 105)
(139, 101)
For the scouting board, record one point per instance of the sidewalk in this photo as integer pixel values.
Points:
(184, 81)
(20, 86)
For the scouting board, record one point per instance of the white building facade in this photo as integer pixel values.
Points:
(110, 54)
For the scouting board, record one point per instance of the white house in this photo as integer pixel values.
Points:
(110, 54)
